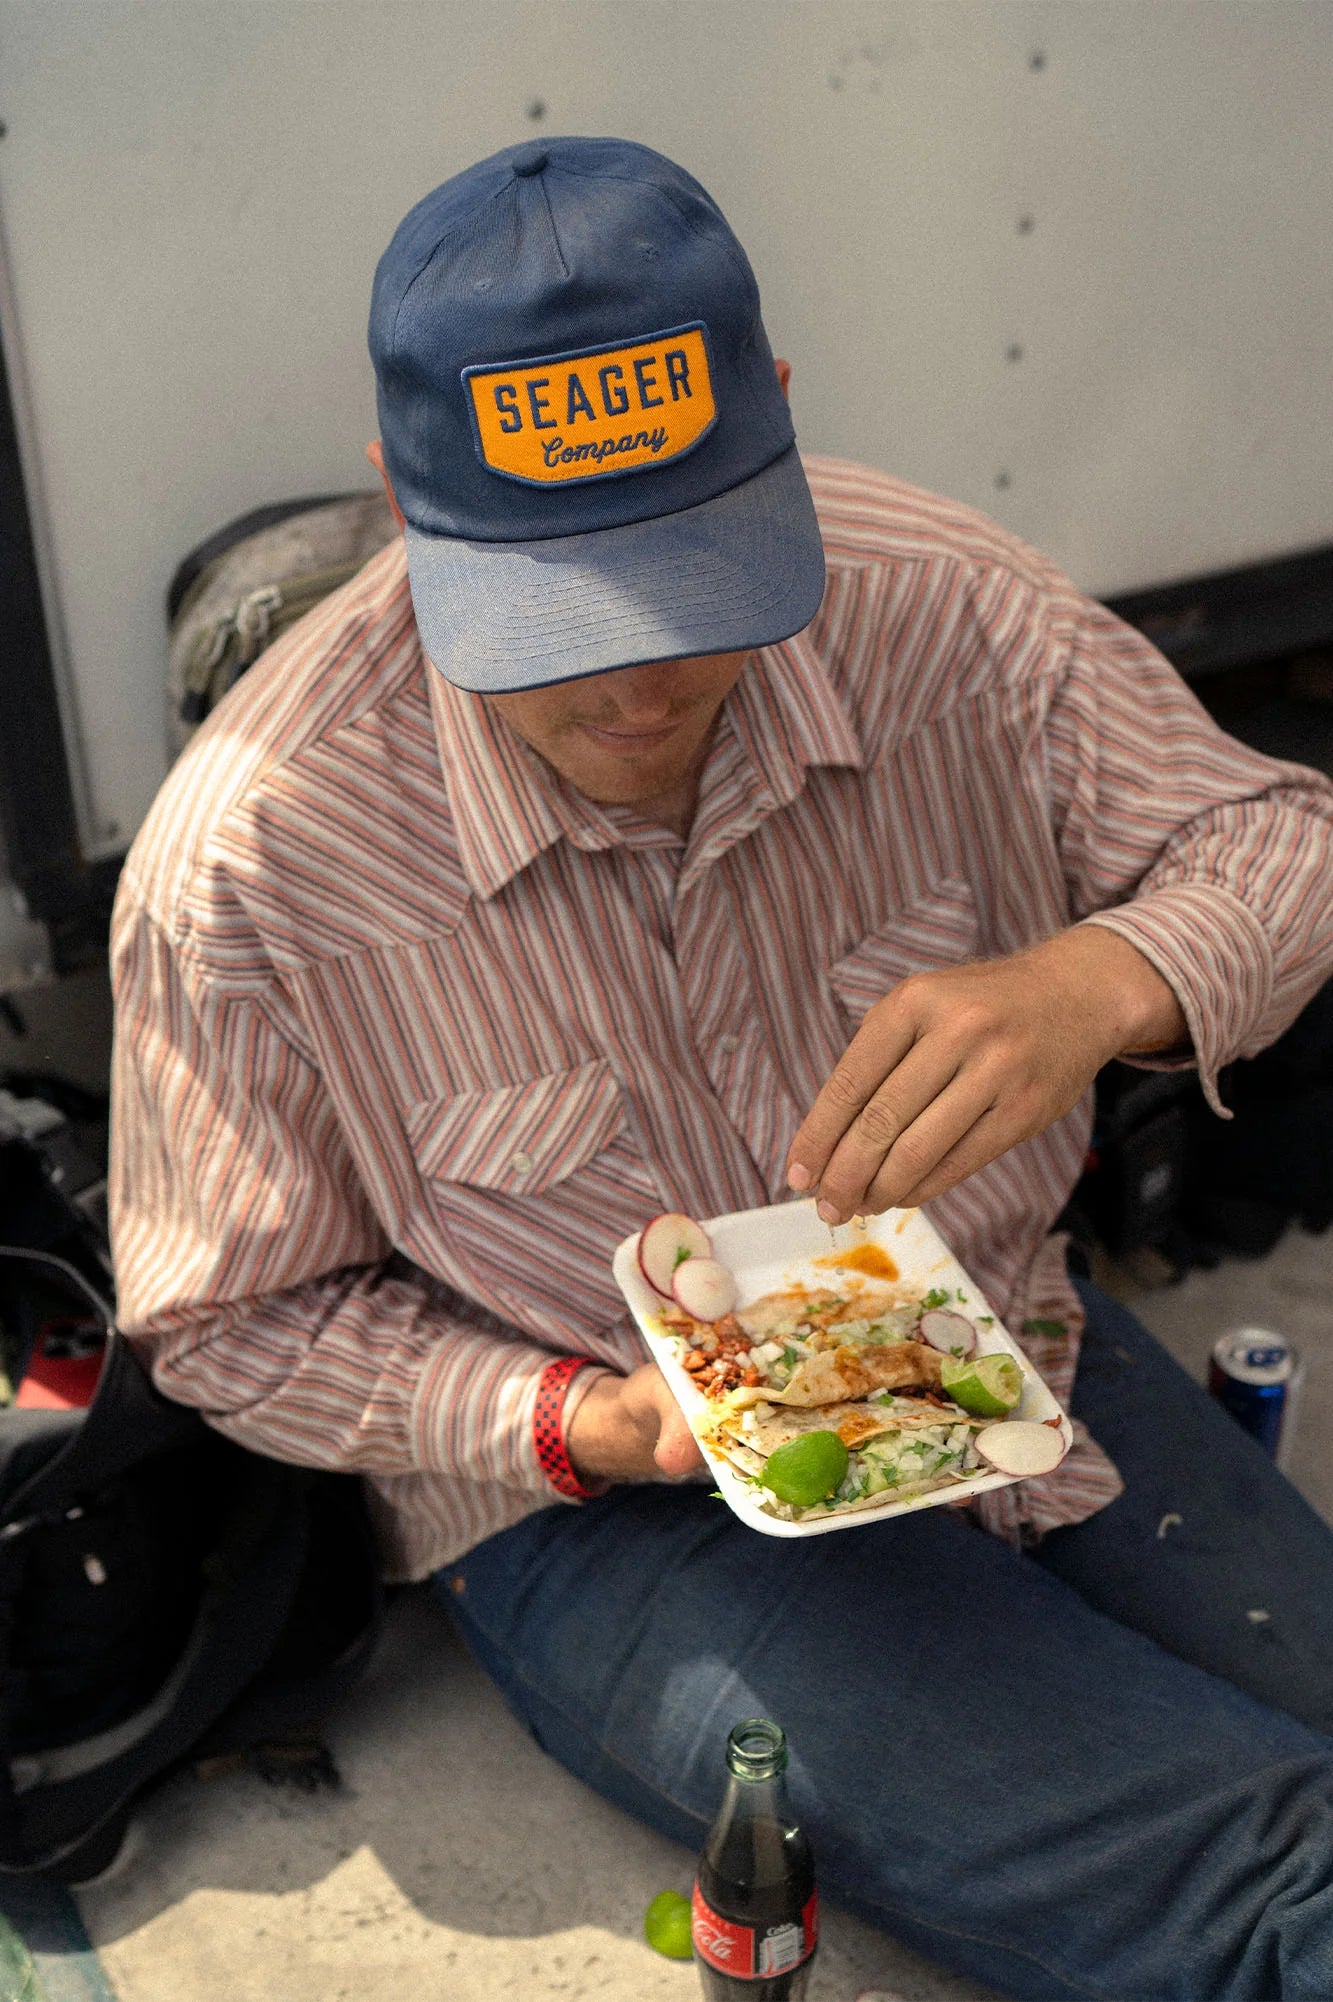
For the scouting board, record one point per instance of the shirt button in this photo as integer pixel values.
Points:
(728, 1044)
(520, 1162)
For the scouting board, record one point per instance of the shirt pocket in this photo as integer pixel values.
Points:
(522, 1139)
(939, 927)
(526, 1191)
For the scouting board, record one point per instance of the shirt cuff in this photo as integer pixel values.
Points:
(1212, 952)
(561, 1388)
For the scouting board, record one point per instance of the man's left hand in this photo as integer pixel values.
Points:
(954, 1067)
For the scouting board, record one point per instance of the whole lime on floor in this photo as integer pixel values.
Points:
(666, 1925)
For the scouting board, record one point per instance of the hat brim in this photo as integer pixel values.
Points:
(742, 570)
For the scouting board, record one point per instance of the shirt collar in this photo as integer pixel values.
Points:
(786, 716)
(509, 807)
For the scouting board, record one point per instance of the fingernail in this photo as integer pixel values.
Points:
(827, 1213)
(799, 1177)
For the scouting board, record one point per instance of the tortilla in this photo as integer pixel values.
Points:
(780, 1313)
(765, 1435)
(857, 1371)
(844, 1381)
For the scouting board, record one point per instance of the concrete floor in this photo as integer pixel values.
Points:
(461, 1865)
(458, 1865)
(1290, 1291)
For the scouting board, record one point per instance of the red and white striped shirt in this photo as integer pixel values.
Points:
(410, 1034)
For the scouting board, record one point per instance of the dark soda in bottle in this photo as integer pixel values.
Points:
(755, 1920)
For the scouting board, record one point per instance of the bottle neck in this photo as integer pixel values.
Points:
(757, 1750)
(747, 1799)
(750, 1839)
(753, 1846)
(756, 1762)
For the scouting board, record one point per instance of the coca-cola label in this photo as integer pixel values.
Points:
(745, 1950)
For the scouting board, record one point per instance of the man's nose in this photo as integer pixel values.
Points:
(643, 694)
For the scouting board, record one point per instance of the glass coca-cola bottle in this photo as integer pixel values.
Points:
(755, 1919)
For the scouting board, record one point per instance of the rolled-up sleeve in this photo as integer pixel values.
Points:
(252, 1271)
(1214, 861)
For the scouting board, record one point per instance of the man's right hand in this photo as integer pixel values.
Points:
(630, 1428)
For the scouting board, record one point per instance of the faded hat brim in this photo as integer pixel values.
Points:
(742, 570)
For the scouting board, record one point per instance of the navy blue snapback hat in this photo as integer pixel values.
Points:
(582, 422)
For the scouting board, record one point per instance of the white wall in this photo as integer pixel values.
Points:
(195, 193)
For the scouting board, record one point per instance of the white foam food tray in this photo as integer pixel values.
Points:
(781, 1246)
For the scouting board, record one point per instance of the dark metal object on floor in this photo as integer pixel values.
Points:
(305, 1764)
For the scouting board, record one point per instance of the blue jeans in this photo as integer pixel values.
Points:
(1089, 1771)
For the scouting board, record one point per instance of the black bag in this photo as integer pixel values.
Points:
(164, 1595)
(1272, 1164)
(1164, 1172)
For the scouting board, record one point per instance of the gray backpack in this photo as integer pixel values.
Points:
(238, 591)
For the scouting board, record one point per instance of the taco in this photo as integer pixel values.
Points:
(850, 1362)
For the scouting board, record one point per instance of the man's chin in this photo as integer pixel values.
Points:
(625, 789)
(611, 780)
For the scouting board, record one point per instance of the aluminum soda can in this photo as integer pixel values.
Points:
(1255, 1374)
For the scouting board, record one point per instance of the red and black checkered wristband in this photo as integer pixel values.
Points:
(548, 1429)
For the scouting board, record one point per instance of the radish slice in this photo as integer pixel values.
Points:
(705, 1289)
(1020, 1446)
(663, 1244)
(944, 1329)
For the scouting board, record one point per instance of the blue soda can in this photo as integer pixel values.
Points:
(1255, 1375)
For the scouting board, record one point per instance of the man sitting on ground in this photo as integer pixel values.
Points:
(658, 824)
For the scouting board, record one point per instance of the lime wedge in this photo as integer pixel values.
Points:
(666, 1925)
(806, 1470)
(987, 1386)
